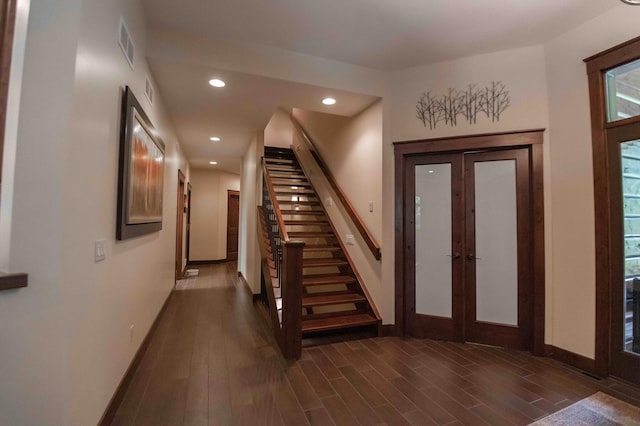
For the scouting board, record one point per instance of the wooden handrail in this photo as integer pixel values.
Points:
(274, 201)
(374, 247)
(13, 281)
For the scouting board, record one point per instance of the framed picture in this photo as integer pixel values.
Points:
(140, 173)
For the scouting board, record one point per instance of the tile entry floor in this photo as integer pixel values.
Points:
(213, 361)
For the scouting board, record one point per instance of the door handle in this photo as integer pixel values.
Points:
(455, 255)
(470, 256)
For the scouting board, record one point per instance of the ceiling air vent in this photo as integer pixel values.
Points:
(148, 90)
(125, 42)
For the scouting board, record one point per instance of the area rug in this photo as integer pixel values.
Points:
(599, 409)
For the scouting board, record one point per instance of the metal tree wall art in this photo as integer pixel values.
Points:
(491, 100)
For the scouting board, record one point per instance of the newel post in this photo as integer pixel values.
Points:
(292, 298)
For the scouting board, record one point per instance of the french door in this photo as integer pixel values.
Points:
(468, 227)
(624, 179)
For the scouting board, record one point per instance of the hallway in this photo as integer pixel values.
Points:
(212, 361)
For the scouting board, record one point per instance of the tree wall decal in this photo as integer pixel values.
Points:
(491, 100)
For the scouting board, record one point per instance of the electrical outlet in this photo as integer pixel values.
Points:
(328, 201)
(100, 250)
(349, 240)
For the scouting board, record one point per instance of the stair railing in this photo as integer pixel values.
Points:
(282, 273)
(371, 242)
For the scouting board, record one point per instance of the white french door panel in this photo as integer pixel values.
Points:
(496, 248)
(433, 240)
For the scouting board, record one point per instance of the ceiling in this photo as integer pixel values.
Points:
(384, 35)
(234, 113)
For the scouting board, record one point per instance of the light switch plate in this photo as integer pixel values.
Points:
(370, 206)
(349, 240)
(100, 251)
(329, 201)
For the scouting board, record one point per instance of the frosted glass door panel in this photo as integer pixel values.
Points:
(433, 240)
(496, 242)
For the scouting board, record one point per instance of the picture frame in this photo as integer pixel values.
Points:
(140, 172)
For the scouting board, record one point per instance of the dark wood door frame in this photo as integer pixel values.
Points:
(607, 251)
(230, 255)
(530, 139)
(188, 242)
(179, 224)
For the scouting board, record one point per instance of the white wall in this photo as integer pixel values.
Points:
(65, 339)
(573, 263)
(250, 193)
(208, 240)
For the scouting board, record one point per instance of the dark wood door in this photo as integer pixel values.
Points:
(468, 269)
(434, 211)
(179, 225)
(233, 220)
(624, 179)
(188, 227)
(497, 254)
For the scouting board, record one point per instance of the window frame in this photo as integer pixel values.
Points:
(597, 67)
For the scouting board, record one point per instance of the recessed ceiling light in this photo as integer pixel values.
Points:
(328, 101)
(213, 162)
(217, 83)
(215, 139)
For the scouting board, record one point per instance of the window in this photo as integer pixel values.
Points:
(623, 91)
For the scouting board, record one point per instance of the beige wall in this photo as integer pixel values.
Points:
(351, 146)
(279, 130)
(208, 240)
(573, 262)
(521, 70)
(250, 193)
(66, 339)
(352, 149)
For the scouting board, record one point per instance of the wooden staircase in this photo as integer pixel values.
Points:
(332, 295)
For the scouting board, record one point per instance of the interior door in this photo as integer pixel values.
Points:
(435, 292)
(624, 145)
(468, 276)
(498, 285)
(233, 221)
(179, 226)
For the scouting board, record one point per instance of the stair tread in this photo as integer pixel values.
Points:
(306, 222)
(305, 203)
(303, 212)
(321, 247)
(320, 299)
(323, 261)
(280, 168)
(312, 234)
(305, 192)
(327, 279)
(280, 159)
(337, 322)
(290, 182)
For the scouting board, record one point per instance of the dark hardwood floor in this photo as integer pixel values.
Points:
(212, 361)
